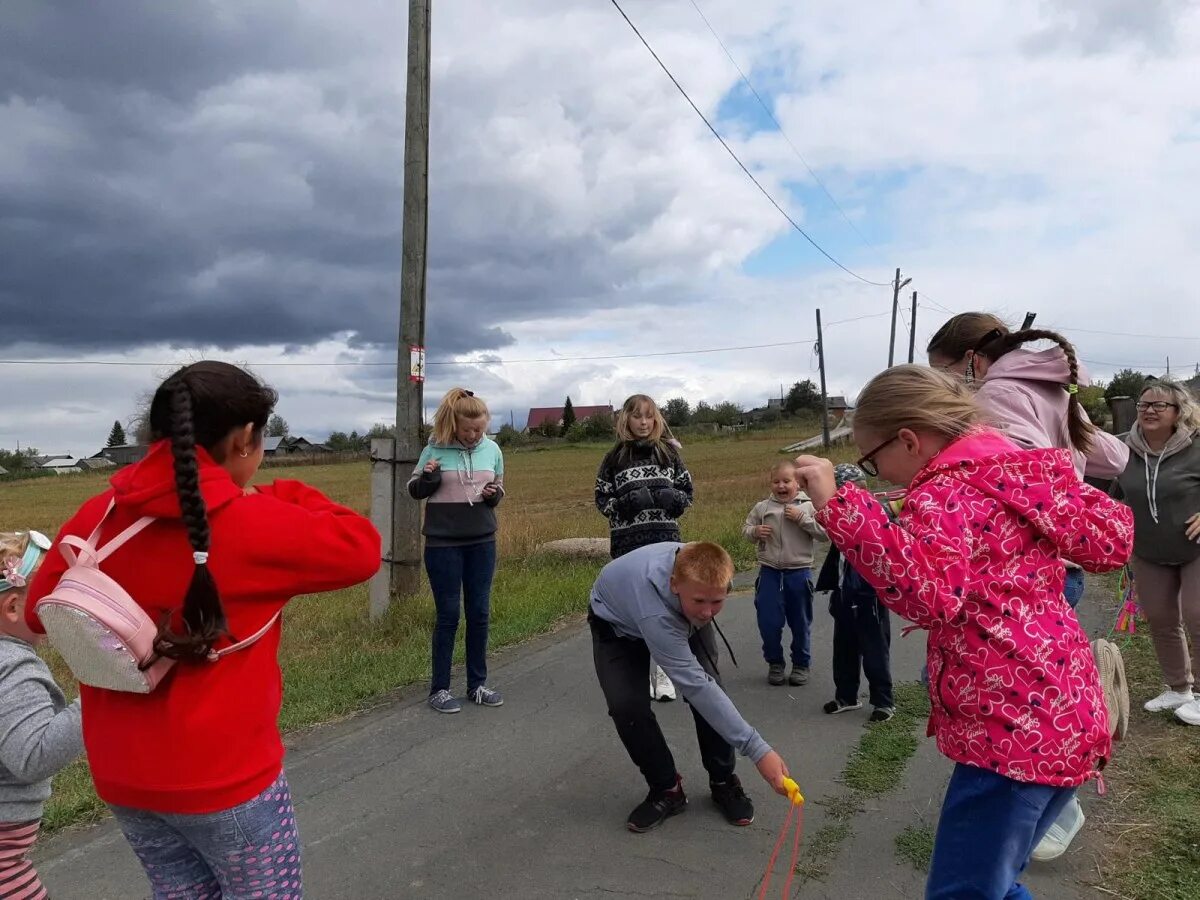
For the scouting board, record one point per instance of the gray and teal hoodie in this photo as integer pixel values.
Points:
(457, 513)
(633, 594)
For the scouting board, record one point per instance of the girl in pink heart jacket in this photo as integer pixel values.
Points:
(975, 558)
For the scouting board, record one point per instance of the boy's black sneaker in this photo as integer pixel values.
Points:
(775, 674)
(882, 714)
(657, 808)
(729, 796)
(837, 706)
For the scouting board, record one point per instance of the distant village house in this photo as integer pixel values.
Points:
(540, 415)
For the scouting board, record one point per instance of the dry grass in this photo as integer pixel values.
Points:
(335, 661)
(1149, 825)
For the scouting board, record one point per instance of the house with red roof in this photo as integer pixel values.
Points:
(540, 415)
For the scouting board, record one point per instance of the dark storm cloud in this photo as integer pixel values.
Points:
(229, 173)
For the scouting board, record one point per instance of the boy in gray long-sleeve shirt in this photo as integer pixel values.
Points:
(658, 602)
(40, 732)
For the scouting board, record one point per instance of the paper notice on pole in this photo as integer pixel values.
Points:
(416, 363)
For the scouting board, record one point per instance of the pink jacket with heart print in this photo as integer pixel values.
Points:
(976, 559)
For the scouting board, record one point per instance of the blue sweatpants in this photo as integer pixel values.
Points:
(785, 596)
(988, 827)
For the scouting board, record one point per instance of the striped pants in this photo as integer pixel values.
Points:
(18, 878)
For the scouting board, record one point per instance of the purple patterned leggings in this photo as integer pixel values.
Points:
(249, 851)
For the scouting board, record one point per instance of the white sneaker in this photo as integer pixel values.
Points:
(660, 686)
(1058, 838)
(1189, 713)
(1169, 700)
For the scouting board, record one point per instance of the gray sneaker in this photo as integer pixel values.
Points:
(444, 702)
(799, 675)
(485, 696)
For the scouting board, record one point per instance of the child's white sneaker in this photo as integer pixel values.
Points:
(660, 686)
(1169, 700)
(1058, 838)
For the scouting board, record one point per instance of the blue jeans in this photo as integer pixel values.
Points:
(988, 827)
(251, 850)
(784, 595)
(1073, 589)
(461, 576)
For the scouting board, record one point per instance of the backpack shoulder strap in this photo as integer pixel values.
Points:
(73, 547)
(214, 655)
(118, 541)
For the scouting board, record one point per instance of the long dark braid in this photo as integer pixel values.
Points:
(1079, 427)
(200, 406)
(203, 616)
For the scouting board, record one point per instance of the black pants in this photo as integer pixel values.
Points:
(621, 666)
(862, 636)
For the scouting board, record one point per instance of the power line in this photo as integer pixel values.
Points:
(771, 116)
(741, 164)
(1155, 337)
(1153, 366)
(933, 304)
(312, 364)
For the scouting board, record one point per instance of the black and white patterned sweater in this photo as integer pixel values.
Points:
(642, 490)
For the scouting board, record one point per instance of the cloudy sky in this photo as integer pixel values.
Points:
(223, 178)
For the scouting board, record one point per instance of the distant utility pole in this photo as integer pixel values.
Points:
(896, 286)
(824, 397)
(394, 512)
(912, 330)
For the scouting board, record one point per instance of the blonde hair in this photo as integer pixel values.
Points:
(459, 403)
(1189, 409)
(13, 545)
(705, 563)
(664, 453)
(658, 432)
(918, 398)
(781, 465)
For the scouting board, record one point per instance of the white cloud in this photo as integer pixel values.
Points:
(1010, 156)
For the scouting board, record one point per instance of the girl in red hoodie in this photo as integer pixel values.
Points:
(193, 771)
(975, 558)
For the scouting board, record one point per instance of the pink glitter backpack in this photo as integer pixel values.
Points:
(105, 637)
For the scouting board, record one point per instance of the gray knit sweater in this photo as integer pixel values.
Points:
(40, 732)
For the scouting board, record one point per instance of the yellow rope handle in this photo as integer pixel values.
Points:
(793, 791)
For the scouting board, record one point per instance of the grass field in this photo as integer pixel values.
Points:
(335, 661)
(1150, 825)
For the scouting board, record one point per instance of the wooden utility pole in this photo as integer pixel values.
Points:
(912, 330)
(824, 398)
(401, 572)
(896, 286)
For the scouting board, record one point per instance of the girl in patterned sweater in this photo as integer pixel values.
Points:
(642, 488)
(975, 558)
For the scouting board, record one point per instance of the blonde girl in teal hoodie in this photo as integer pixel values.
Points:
(460, 475)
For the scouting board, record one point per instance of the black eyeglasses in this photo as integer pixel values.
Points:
(867, 463)
(1156, 405)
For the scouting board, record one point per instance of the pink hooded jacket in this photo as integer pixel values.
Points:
(1024, 392)
(976, 559)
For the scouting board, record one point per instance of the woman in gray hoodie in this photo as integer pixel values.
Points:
(1162, 486)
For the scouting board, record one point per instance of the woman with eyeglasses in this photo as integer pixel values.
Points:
(1162, 485)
